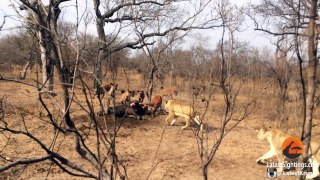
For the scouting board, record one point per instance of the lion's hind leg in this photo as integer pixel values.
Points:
(187, 122)
(197, 120)
(172, 122)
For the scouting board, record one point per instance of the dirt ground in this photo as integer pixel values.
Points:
(149, 147)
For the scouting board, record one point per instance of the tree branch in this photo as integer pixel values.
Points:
(15, 80)
(24, 161)
(111, 12)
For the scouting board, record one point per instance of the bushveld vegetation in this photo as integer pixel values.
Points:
(53, 74)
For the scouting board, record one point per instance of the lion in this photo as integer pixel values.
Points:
(276, 137)
(176, 109)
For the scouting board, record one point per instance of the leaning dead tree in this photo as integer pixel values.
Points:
(297, 19)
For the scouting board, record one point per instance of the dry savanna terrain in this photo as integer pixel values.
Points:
(149, 148)
(68, 68)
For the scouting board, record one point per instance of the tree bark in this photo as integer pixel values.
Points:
(47, 65)
(102, 52)
(150, 83)
(311, 78)
(102, 44)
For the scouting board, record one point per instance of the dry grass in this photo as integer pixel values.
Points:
(137, 141)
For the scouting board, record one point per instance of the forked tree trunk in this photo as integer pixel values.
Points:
(102, 44)
(23, 72)
(47, 64)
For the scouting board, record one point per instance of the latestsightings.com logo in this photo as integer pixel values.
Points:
(292, 147)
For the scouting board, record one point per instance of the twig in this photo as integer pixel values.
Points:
(155, 154)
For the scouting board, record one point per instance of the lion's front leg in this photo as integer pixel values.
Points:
(266, 156)
(315, 168)
(170, 117)
(280, 158)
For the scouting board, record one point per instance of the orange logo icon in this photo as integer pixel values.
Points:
(292, 147)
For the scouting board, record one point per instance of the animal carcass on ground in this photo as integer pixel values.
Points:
(125, 110)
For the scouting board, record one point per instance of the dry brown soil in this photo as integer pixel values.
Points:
(148, 147)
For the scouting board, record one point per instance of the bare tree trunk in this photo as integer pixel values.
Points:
(47, 65)
(311, 78)
(57, 55)
(102, 44)
(150, 83)
(173, 77)
(204, 154)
